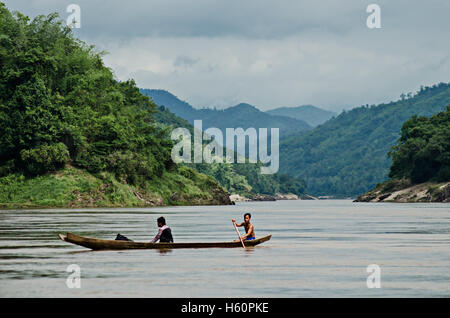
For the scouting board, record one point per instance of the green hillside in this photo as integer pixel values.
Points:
(346, 156)
(69, 131)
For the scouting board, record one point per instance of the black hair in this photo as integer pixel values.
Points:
(162, 220)
(249, 215)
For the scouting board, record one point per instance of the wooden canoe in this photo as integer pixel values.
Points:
(98, 244)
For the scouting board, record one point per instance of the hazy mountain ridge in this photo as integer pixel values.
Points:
(310, 114)
(241, 115)
(174, 104)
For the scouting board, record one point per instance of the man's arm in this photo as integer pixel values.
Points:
(158, 235)
(250, 230)
(237, 224)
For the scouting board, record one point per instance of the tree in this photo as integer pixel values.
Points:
(423, 150)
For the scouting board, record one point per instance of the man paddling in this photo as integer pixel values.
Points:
(249, 229)
(164, 233)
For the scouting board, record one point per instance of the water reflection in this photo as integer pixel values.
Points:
(164, 251)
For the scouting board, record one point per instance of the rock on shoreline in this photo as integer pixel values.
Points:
(266, 197)
(423, 192)
(289, 196)
(238, 198)
(263, 197)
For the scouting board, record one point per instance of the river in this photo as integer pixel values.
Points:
(318, 249)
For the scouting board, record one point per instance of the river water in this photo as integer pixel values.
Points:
(318, 249)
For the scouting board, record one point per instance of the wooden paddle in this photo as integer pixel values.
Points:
(239, 235)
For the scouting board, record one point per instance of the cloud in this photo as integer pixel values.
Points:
(184, 61)
(267, 53)
(202, 18)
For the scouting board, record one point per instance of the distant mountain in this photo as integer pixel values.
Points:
(346, 156)
(173, 103)
(241, 115)
(245, 116)
(243, 178)
(310, 114)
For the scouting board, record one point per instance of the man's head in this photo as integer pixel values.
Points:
(247, 217)
(161, 221)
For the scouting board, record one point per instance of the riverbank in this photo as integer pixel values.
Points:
(76, 188)
(401, 190)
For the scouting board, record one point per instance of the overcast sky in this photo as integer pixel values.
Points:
(267, 53)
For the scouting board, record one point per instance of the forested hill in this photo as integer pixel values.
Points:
(71, 135)
(346, 156)
(423, 149)
(420, 170)
(241, 115)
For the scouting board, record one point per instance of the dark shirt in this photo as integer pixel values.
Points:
(166, 236)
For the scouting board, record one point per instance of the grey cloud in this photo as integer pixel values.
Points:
(185, 61)
(267, 53)
(181, 18)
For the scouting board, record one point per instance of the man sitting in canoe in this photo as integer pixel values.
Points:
(249, 229)
(164, 234)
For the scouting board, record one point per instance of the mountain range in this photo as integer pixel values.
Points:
(242, 115)
(343, 156)
(243, 178)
